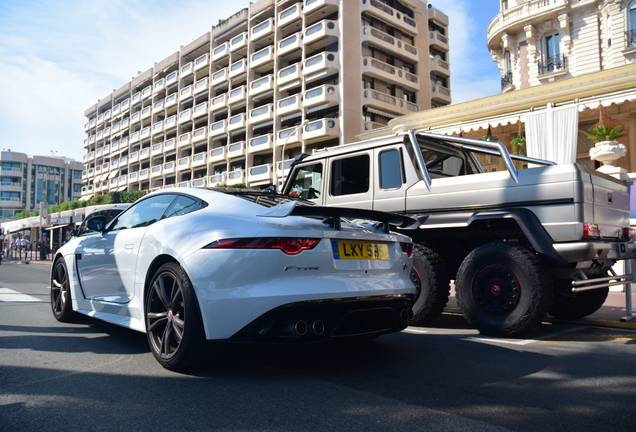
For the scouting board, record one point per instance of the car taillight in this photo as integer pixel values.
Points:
(407, 248)
(288, 245)
(629, 233)
(591, 230)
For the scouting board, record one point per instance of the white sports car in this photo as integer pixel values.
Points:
(187, 266)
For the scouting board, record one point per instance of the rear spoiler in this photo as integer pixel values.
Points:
(335, 214)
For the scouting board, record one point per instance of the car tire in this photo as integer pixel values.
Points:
(569, 305)
(503, 289)
(433, 285)
(61, 303)
(174, 327)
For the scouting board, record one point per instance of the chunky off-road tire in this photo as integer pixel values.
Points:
(569, 305)
(61, 303)
(174, 327)
(503, 289)
(433, 285)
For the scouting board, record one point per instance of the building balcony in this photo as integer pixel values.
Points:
(170, 124)
(320, 30)
(171, 100)
(183, 164)
(289, 104)
(186, 70)
(145, 133)
(200, 134)
(156, 171)
(260, 173)
(517, 16)
(146, 92)
(160, 84)
(292, 43)
(260, 114)
(389, 15)
(218, 77)
(134, 137)
(157, 149)
(171, 79)
(198, 160)
(237, 95)
(506, 81)
(185, 93)
(321, 129)
(134, 157)
(236, 149)
(439, 41)
(185, 116)
(133, 176)
(321, 65)
(136, 100)
(261, 143)
(157, 128)
(201, 62)
(289, 75)
(135, 118)
(201, 86)
(216, 179)
(144, 153)
(266, 28)
(238, 68)
(144, 174)
(218, 129)
(169, 167)
(261, 85)
(146, 112)
(439, 65)
(262, 59)
(159, 106)
(389, 44)
(328, 95)
(217, 154)
(219, 103)
(200, 110)
(289, 15)
(221, 51)
(388, 103)
(320, 7)
(169, 145)
(237, 122)
(199, 182)
(235, 177)
(184, 140)
(440, 92)
(387, 72)
(238, 42)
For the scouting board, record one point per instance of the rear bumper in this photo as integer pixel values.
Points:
(588, 251)
(319, 320)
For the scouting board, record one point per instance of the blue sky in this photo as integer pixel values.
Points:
(59, 57)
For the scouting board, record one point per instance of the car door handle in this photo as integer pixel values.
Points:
(129, 247)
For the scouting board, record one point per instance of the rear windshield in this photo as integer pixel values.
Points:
(266, 199)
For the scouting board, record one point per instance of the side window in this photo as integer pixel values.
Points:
(307, 183)
(350, 176)
(107, 214)
(391, 169)
(144, 213)
(182, 205)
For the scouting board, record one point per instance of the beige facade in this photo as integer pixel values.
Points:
(593, 77)
(273, 81)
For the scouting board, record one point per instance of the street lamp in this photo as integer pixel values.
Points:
(282, 156)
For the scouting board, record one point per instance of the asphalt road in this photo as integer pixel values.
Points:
(98, 377)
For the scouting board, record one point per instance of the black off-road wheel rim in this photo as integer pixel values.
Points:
(165, 315)
(59, 289)
(496, 290)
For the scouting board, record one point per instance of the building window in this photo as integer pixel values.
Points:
(552, 59)
(506, 79)
(631, 25)
(504, 5)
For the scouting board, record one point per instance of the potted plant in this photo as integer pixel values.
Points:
(518, 145)
(607, 149)
(600, 133)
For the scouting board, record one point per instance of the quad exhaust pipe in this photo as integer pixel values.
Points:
(406, 314)
(302, 328)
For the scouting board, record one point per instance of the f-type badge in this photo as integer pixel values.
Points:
(300, 268)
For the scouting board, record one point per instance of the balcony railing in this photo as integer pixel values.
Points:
(630, 38)
(506, 80)
(552, 64)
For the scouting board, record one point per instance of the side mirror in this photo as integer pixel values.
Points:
(97, 223)
(74, 233)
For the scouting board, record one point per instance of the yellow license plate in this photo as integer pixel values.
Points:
(359, 250)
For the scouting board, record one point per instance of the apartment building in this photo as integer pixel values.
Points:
(567, 65)
(26, 181)
(275, 80)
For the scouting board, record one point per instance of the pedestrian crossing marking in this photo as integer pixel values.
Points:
(10, 296)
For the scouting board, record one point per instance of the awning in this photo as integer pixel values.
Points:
(320, 107)
(56, 227)
(113, 174)
(381, 113)
(291, 116)
(482, 124)
(264, 124)
(608, 100)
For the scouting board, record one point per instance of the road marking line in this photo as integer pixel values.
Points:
(10, 296)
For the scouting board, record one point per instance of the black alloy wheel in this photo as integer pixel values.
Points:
(173, 322)
(61, 303)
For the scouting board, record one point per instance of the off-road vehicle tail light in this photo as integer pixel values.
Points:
(591, 230)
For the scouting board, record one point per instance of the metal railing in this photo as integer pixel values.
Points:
(551, 64)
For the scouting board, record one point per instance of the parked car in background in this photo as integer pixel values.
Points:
(188, 266)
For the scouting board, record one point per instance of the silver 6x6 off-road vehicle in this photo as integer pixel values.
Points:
(519, 243)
